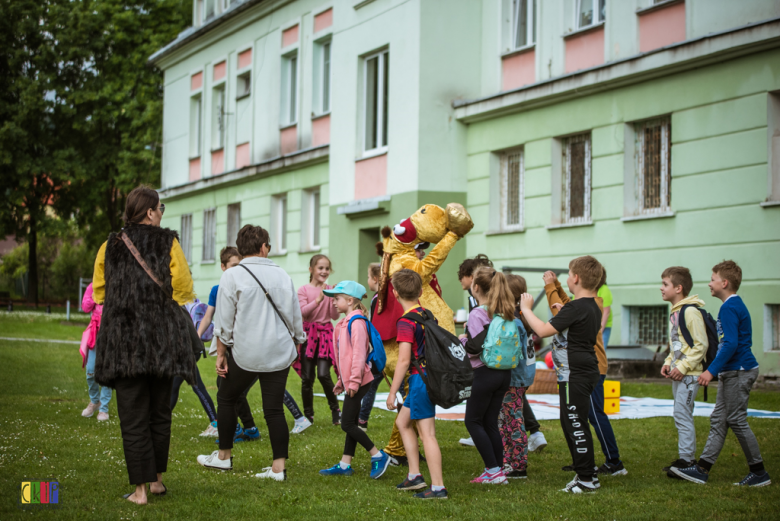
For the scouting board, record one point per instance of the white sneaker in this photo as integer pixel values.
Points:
(90, 410)
(212, 461)
(467, 442)
(102, 416)
(301, 424)
(536, 442)
(211, 431)
(269, 473)
(576, 486)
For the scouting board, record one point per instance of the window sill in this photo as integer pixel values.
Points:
(363, 3)
(769, 204)
(658, 6)
(220, 149)
(313, 250)
(569, 225)
(372, 153)
(519, 50)
(288, 125)
(584, 30)
(278, 254)
(644, 217)
(504, 232)
(318, 116)
(208, 262)
(193, 158)
(242, 96)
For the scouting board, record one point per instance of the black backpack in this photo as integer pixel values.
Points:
(448, 374)
(712, 337)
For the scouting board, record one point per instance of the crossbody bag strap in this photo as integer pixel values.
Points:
(142, 262)
(273, 304)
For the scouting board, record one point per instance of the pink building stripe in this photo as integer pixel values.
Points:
(220, 70)
(242, 156)
(196, 81)
(195, 169)
(218, 161)
(662, 27)
(289, 139)
(245, 59)
(290, 36)
(320, 131)
(371, 177)
(585, 50)
(323, 20)
(518, 70)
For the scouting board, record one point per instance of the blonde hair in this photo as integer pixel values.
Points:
(494, 284)
(355, 302)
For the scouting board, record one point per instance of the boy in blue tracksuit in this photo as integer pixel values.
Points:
(737, 370)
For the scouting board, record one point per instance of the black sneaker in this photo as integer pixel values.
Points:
(610, 469)
(755, 480)
(414, 484)
(680, 464)
(400, 461)
(430, 494)
(511, 473)
(336, 417)
(363, 426)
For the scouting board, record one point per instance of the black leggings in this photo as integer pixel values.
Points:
(272, 388)
(245, 412)
(482, 410)
(349, 422)
(322, 366)
(200, 391)
(575, 406)
(529, 418)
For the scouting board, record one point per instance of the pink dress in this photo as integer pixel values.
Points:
(90, 334)
(318, 324)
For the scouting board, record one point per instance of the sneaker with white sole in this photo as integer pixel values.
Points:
(102, 416)
(694, 474)
(268, 473)
(90, 410)
(612, 469)
(487, 478)
(211, 431)
(212, 461)
(301, 424)
(467, 442)
(755, 480)
(536, 442)
(578, 486)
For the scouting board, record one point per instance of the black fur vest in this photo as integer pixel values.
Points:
(142, 332)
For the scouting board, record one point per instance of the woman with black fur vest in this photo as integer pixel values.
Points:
(144, 339)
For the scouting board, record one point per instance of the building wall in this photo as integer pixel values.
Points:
(719, 178)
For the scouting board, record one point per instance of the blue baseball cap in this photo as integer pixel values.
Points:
(347, 287)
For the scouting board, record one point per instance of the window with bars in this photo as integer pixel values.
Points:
(234, 223)
(576, 179)
(523, 23)
(648, 325)
(653, 165)
(512, 181)
(186, 236)
(772, 326)
(279, 224)
(209, 234)
(376, 79)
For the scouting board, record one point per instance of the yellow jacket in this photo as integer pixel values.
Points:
(181, 278)
(685, 358)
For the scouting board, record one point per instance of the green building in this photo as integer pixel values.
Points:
(646, 133)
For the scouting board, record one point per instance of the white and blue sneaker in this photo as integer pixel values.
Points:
(337, 470)
(236, 435)
(251, 434)
(379, 465)
(755, 480)
(694, 474)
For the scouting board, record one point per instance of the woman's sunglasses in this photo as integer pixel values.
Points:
(162, 208)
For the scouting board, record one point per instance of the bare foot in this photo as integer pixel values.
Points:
(136, 498)
(157, 487)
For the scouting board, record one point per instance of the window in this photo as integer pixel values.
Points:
(648, 325)
(773, 147)
(279, 223)
(375, 80)
(209, 234)
(234, 223)
(772, 327)
(325, 103)
(653, 165)
(512, 174)
(523, 23)
(576, 179)
(310, 236)
(244, 85)
(186, 236)
(290, 90)
(590, 12)
(218, 120)
(196, 125)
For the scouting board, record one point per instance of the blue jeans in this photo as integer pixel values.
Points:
(605, 335)
(96, 394)
(600, 422)
(368, 400)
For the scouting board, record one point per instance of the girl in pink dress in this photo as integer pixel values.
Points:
(98, 398)
(318, 354)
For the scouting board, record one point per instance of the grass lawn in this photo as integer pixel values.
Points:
(44, 438)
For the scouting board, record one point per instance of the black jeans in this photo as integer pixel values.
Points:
(368, 400)
(349, 422)
(529, 418)
(575, 404)
(322, 366)
(272, 388)
(482, 410)
(144, 407)
(201, 392)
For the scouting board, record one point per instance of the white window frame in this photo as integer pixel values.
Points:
(771, 328)
(325, 72)
(244, 78)
(597, 19)
(219, 116)
(290, 87)
(186, 236)
(566, 199)
(208, 255)
(666, 159)
(382, 57)
(279, 236)
(504, 191)
(233, 223)
(313, 223)
(196, 112)
(530, 23)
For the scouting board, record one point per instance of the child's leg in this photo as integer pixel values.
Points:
(93, 388)
(529, 418)
(289, 402)
(406, 429)
(684, 394)
(598, 418)
(177, 381)
(307, 384)
(368, 400)
(478, 407)
(513, 435)
(718, 420)
(492, 413)
(574, 411)
(323, 375)
(204, 396)
(105, 398)
(427, 429)
(349, 424)
(563, 392)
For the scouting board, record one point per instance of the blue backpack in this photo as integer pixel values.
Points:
(502, 349)
(376, 354)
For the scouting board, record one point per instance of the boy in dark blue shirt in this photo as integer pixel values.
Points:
(737, 370)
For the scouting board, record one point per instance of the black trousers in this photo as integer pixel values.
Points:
(322, 367)
(529, 418)
(575, 404)
(349, 422)
(245, 412)
(272, 388)
(200, 391)
(144, 407)
(482, 410)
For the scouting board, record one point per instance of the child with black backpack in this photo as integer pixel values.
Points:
(493, 344)
(353, 345)
(686, 356)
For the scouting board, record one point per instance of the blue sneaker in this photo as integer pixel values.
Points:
(755, 480)
(248, 435)
(429, 493)
(694, 474)
(236, 435)
(414, 484)
(336, 470)
(379, 465)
